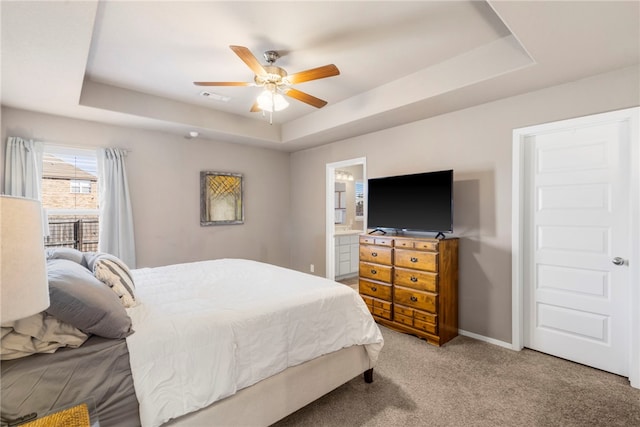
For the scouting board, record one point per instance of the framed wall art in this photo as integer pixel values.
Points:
(221, 198)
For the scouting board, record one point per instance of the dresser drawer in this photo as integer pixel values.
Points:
(403, 311)
(378, 272)
(382, 308)
(420, 260)
(416, 279)
(375, 289)
(403, 243)
(426, 317)
(420, 315)
(400, 318)
(377, 308)
(373, 240)
(369, 301)
(403, 315)
(424, 326)
(425, 245)
(380, 312)
(415, 318)
(415, 299)
(377, 254)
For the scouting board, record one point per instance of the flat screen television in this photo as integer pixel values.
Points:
(419, 202)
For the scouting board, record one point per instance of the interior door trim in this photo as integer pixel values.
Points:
(330, 267)
(519, 179)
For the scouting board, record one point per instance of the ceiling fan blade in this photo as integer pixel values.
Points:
(223, 84)
(255, 108)
(314, 74)
(249, 59)
(306, 98)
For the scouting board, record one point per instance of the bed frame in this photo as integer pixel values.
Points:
(272, 399)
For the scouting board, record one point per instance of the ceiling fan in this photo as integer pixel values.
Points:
(276, 81)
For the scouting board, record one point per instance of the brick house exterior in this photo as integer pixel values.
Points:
(77, 230)
(57, 176)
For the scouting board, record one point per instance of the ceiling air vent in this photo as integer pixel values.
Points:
(215, 96)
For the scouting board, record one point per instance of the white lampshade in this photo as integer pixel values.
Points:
(270, 101)
(23, 270)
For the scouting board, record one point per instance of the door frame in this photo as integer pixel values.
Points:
(519, 180)
(330, 265)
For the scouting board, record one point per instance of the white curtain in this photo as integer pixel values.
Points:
(23, 168)
(116, 219)
(23, 172)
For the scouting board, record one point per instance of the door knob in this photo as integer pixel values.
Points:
(618, 261)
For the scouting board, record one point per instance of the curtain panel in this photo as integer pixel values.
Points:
(23, 168)
(23, 172)
(116, 217)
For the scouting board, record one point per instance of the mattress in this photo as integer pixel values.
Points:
(97, 372)
(205, 330)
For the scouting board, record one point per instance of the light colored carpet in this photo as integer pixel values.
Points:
(471, 383)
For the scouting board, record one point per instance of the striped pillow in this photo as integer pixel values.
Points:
(114, 273)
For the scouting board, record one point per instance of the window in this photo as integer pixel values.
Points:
(359, 200)
(80, 186)
(70, 197)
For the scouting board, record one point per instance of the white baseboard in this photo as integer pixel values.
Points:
(486, 339)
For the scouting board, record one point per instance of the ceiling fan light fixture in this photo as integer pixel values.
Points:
(271, 101)
(276, 81)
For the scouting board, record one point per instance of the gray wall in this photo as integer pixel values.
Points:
(285, 194)
(164, 180)
(477, 144)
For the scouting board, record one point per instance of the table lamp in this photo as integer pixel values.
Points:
(23, 270)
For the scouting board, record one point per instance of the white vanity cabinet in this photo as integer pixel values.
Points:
(347, 252)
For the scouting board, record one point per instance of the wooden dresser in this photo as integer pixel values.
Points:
(411, 284)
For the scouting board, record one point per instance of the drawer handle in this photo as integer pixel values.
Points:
(414, 279)
(414, 299)
(373, 271)
(373, 288)
(414, 259)
(374, 254)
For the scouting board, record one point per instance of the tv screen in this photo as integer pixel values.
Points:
(420, 202)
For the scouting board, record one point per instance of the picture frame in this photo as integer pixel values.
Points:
(221, 198)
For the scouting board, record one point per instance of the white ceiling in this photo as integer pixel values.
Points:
(134, 63)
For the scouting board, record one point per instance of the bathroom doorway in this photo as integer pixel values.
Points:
(346, 204)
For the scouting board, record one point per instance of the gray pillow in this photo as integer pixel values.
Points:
(83, 301)
(65, 253)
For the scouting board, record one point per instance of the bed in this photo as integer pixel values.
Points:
(220, 342)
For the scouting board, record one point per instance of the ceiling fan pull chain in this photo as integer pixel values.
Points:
(273, 107)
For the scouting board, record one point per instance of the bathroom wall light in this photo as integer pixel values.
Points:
(343, 176)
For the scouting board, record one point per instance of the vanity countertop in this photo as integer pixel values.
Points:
(346, 232)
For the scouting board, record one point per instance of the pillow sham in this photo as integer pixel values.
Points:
(114, 273)
(40, 333)
(65, 253)
(78, 298)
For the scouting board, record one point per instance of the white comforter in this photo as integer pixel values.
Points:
(207, 329)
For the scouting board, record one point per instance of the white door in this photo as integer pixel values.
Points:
(577, 281)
